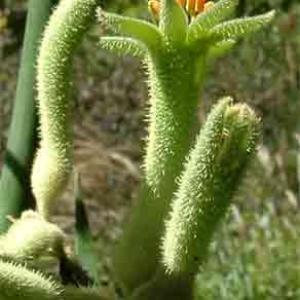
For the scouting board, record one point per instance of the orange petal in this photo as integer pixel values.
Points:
(181, 2)
(199, 7)
(154, 7)
(190, 6)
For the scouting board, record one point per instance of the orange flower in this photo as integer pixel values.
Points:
(193, 7)
(199, 7)
(154, 7)
(190, 6)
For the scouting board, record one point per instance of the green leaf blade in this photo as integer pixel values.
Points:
(123, 46)
(140, 30)
(207, 20)
(173, 21)
(238, 28)
(83, 236)
(220, 49)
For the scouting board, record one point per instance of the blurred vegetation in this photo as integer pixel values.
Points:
(256, 254)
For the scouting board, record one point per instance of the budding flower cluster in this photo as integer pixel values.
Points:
(192, 7)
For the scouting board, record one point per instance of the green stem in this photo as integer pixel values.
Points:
(53, 162)
(173, 117)
(163, 287)
(212, 174)
(174, 86)
(15, 192)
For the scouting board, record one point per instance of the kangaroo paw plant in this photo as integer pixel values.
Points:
(189, 178)
(175, 52)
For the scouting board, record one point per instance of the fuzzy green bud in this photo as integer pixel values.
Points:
(211, 176)
(33, 240)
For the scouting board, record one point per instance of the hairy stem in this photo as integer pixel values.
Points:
(173, 119)
(212, 174)
(53, 162)
(15, 194)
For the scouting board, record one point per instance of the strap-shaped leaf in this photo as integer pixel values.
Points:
(173, 21)
(241, 27)
(123, 46)
(140, 30)
(83, 236)
(206, 20)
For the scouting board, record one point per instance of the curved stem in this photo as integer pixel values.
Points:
(53, 162)
(15, 193)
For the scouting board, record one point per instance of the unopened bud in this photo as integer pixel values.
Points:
(193, 7)
(154, 7)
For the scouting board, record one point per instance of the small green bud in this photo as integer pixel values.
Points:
(33, 240)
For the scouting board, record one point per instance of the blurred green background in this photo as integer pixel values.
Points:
(256, 253)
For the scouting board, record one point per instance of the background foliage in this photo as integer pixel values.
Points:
(256, 253)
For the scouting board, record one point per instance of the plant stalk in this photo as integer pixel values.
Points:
(15, 193)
